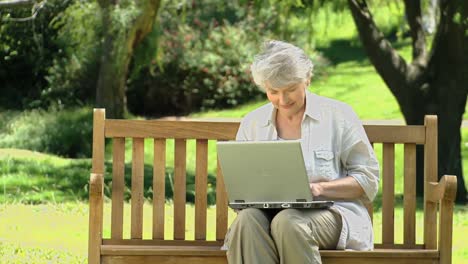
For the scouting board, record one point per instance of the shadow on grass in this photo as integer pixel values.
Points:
(33, 182)
(398, 202)
(344, 50)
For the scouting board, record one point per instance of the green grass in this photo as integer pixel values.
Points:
(57, 233)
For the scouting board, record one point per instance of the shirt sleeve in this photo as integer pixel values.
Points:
(358, 157)
(242, 131)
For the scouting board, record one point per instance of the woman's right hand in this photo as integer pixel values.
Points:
(316, 189)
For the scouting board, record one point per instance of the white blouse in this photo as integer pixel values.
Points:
(334, 145)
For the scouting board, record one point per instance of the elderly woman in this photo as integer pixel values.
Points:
(340, 162)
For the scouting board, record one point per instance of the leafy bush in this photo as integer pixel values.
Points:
(62, 132)
(197, 73)
(27, 50)
(72, 78)
(198, 57)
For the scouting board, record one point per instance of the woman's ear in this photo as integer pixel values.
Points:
(307, 83)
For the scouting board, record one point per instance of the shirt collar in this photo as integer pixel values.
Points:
(312, 109)
(312, 106)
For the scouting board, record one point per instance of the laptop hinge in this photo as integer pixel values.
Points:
(239, 201)
(301, 200)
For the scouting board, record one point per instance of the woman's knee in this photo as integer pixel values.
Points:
(252, 217)
(286, 221)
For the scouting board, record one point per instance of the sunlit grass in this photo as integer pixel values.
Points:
(58, 233)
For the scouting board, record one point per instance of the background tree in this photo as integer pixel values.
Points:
(434, 82)
(125, 24)
(16, 3)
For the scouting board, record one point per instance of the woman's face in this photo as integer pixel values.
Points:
(289, 100)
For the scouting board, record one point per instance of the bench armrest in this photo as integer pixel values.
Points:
(445, 189)
(96, 203)
(444, 193)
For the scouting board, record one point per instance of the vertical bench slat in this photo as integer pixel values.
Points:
(179, 188)
(137, 188)
(409, 202)
(118, 186)
(370, 206)
(221, 205)
(388, 193)
(430, 175)
(201, 182)
(159, 194)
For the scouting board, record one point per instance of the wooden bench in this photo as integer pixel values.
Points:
(438, 196)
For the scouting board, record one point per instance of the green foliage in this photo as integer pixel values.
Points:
(202, 58)
(52, 59)
(62, 132)
(201, 61)
(71, 80)
(197, 73)
(27, 49)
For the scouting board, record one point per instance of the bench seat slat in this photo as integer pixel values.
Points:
(218, 243)
(216, 251)
(165, 259)
(169, 259)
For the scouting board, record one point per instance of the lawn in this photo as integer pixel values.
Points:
(59, 232)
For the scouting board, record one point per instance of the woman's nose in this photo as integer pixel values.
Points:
(284, 99)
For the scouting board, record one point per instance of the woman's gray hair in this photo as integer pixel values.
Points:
(281, 64)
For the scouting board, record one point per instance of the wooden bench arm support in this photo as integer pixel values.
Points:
(445, 189)
(444, 193)
(96, 203)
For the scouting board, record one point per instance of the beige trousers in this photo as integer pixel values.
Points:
(282, 236)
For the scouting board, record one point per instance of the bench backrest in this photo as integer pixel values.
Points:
(202, 132)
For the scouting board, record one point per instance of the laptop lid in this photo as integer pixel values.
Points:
(264, 171)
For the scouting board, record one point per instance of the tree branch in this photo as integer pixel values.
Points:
(451, 40)
(35, 10)
(390, 66)
(413, 15)
(16, 3)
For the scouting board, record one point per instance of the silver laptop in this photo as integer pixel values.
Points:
(266, 174)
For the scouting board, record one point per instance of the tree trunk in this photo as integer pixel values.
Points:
(115, 58)
(119, 42)
(449, 141)
(430, 84)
